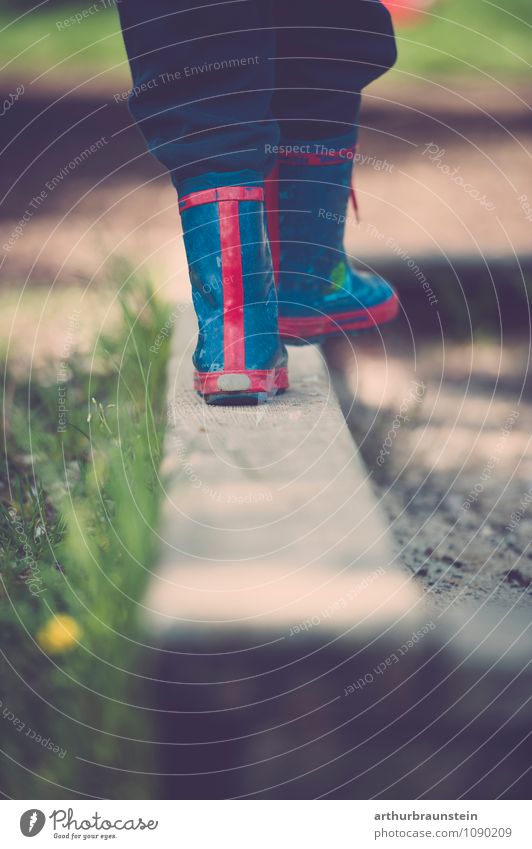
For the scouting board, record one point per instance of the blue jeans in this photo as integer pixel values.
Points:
(218, 86)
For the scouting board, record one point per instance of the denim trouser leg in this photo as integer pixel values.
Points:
(327, 52)
(209, 94)
(202, 82)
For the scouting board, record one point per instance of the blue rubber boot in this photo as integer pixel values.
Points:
(239, 358)
(320, 294)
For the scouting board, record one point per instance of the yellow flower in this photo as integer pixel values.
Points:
(59, 634)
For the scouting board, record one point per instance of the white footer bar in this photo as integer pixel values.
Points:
(265, 824)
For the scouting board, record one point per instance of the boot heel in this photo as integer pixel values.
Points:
(249, 387)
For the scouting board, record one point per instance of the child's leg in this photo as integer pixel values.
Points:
(327, 52)
(202, 90)
(202, 83)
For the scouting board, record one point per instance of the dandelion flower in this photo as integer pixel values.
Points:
(60, 634)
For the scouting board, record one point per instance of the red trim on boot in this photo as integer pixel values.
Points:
(327, 156)
(222, 193)
(232, 286)
(266, 381)
(324, 325)
(271, 195)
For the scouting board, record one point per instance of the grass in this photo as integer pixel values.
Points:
(470, 38)
(39, 42)
(77, 513)
(457, 37)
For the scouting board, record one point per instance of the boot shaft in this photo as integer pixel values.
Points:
(320, 293)
(232, 281)
(314, 190)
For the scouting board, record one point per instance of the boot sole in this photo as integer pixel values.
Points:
(250, 387)
(313, 330)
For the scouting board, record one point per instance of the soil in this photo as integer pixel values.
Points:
(445, 432)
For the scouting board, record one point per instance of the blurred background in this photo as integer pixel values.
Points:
(91, 262)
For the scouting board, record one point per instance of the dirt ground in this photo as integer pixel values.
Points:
(444, 170)
(446, 432)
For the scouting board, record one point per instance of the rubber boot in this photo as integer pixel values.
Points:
(320, 294)
(239, 358)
